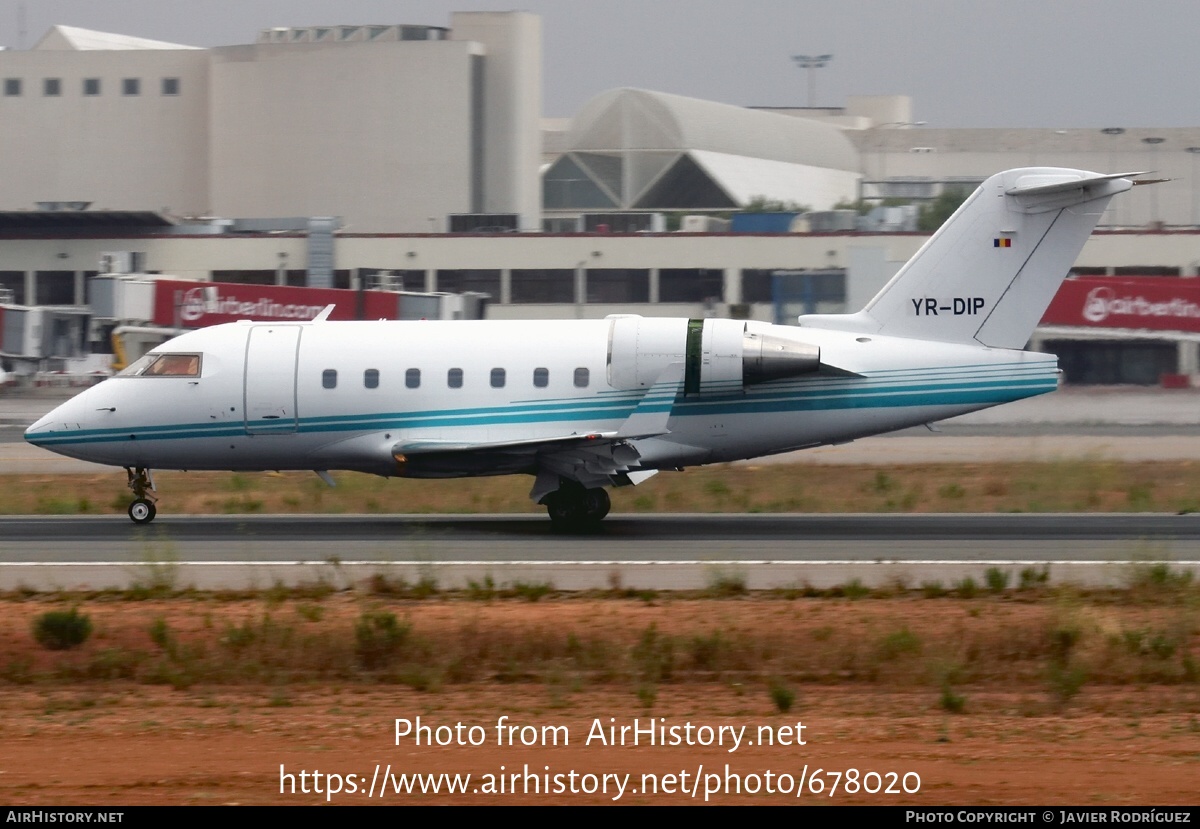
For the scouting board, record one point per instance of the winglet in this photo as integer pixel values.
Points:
(324, 315)
(650, 416)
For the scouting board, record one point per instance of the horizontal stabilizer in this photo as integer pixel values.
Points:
(1042, 184)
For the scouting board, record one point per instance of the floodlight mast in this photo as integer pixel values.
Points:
(811, 63)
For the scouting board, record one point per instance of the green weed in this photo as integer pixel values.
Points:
(725, 583)
(996, 579)
(59, 630)
(782, 695)
(377, 637)
(901, 642)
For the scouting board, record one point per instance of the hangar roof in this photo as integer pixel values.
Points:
(638, 119)
(639, 150)
(70, 38)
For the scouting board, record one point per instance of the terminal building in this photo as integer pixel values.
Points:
(415, 158)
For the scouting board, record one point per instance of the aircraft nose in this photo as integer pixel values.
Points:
(43, 428)
(51, 429)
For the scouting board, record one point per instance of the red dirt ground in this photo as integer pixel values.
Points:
(88, 742)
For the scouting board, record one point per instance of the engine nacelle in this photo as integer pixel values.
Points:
(772, 357)
(720, 356)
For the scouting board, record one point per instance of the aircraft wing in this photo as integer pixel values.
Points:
(589, 458)
(648, 419)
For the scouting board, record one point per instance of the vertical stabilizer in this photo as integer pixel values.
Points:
(988, 274)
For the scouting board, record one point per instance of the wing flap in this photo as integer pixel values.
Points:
(420, 446)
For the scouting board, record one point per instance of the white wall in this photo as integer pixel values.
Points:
(143, 152)
(378, 133)
(512, 90)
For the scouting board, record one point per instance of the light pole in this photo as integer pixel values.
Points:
(1153, 143)
(812, 63)
(1113, 132)
(877, 141)
(1194, 151)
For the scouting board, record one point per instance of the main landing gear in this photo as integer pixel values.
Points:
(573, 508)
(142, 510)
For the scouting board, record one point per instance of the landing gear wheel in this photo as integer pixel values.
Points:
(564, 510)
(596, 504)
(574, 509)
(142, 511)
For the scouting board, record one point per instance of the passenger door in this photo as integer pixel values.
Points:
(270, 392)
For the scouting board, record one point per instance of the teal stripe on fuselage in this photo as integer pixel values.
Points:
(883, 397)
(854, 393)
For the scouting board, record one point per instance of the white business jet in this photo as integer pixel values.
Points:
(582, 405)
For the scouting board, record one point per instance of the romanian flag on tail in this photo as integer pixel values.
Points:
(1002, 242)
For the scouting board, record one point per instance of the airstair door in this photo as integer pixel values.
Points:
(272, 352)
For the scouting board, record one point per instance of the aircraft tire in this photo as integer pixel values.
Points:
(596, 504)
(574, 509)
(142, 511)
(566, 511)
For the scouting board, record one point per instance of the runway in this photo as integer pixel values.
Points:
(655, 551)
(659, 552)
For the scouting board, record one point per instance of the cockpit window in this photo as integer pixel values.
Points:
(164, 365)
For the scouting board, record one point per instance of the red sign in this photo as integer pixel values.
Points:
(1145, 302)
(198, 304)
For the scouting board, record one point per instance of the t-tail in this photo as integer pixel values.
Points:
(988, 274)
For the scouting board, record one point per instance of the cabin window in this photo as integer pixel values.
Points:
(131, 86)
(541, 377)
(164, 365)
(497, 378)
(12, 87)
(412, 378)
(582, 376)
(52, 87)
(91, 86)
(454, 378)
(170, 86)
(371, 378)
(329, 378)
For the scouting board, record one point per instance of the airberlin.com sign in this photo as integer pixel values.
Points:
(197, 304)
(1147, 302)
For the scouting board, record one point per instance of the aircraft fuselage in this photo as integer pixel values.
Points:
(342, 395)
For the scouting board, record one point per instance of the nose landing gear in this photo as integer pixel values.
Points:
(142, 510)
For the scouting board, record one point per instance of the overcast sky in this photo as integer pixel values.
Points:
(965, 63)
